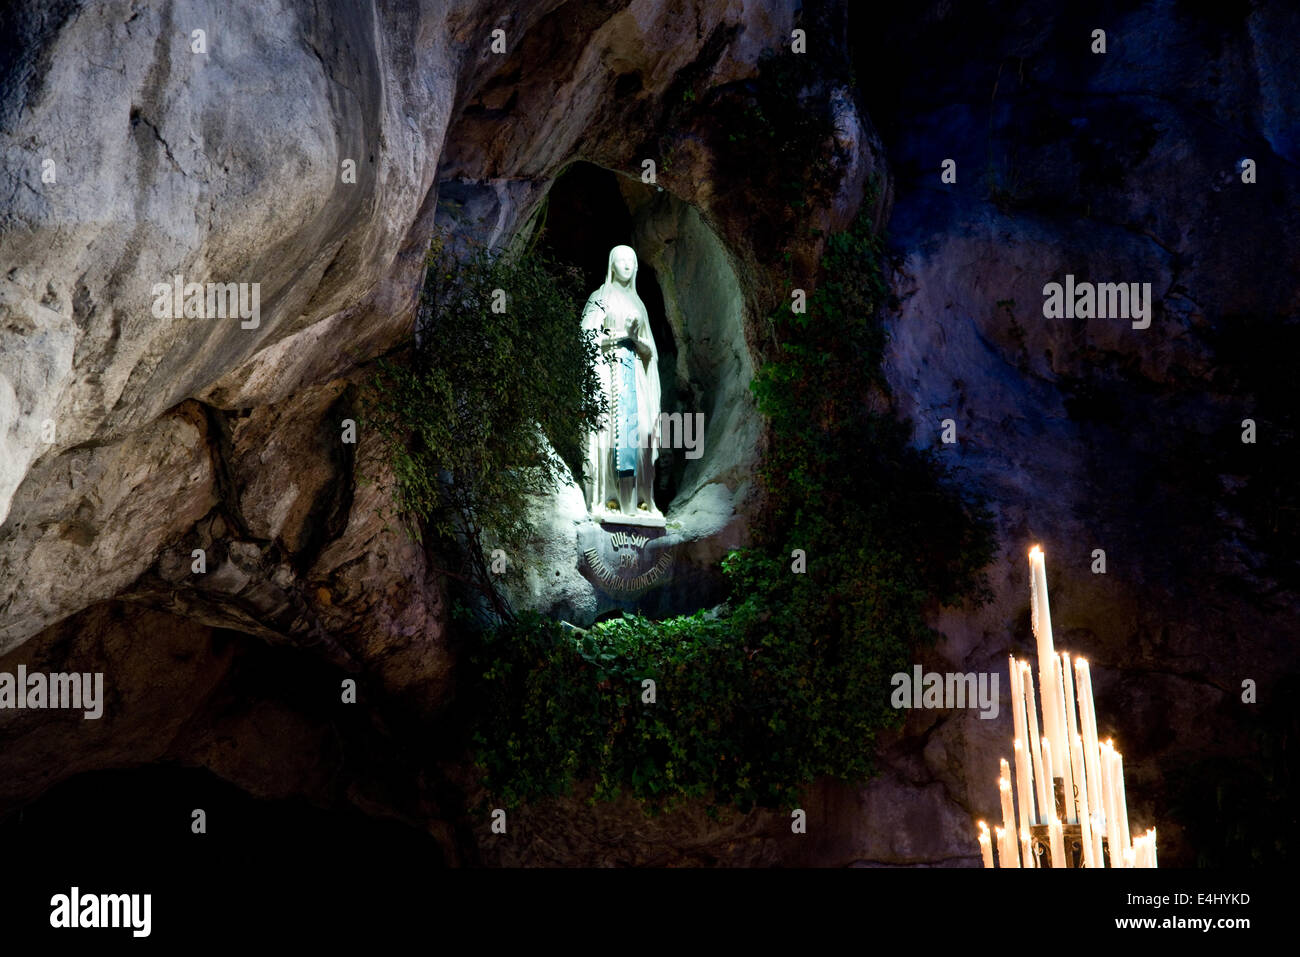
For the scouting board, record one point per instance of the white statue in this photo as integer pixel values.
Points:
(619, 470)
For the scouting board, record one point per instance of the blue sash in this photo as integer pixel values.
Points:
(626, 420)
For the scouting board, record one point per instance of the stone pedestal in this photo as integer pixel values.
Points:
(614, 519)
(625, 560)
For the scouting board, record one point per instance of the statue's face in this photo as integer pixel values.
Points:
(624, 264)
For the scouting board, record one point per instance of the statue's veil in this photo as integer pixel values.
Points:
(609, 277)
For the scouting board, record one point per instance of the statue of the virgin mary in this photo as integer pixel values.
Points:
(619, 473)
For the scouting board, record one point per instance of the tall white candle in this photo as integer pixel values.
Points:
(1085, 825)
(1026, 849)
(1043, 783)
(1121, 798)
(1088, 721)
(1024, 776)
(1072, 799)
(1041, 620)
(1106, 806)
(1122, 842)
(1023, 784)
(986, 851)
(1008, 818)
(1061, 748)
(1000, 838)
(1058, 842)
(1112, 809)
(1049, 770)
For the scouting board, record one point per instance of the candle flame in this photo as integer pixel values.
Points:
(1036, 552)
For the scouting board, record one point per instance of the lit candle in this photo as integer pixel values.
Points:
(1023, 784)
(1107, 806)
(1024, 776)
(1085, 825)
(1088, 720)
(1152, 832)
(1098, 852)
(1041, 620)
(1026, 851)
(1043, 782)
(1122, 805)
(1058, 842)
(1008, 818)
(1047, 770)
(1000, 836)
(1072, 794)
(1061, 748)
(1114, 831)
(986, 851)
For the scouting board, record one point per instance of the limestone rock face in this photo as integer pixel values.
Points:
(1088, 433)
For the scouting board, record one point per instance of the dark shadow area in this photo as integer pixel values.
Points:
(143, 817)
(280, 864)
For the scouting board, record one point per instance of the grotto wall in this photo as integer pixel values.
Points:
(1089, 433)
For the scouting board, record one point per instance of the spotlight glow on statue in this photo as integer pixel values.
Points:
(619, 472)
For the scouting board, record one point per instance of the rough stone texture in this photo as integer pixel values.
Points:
(1088, 433)
(163, 177)
(151, 688)
(93, 519)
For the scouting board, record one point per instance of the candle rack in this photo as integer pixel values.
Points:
(1062, 748)
(1040, 838)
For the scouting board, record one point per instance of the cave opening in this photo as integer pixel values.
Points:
(688, 278)
(584, 216)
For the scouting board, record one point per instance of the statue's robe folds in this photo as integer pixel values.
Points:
(627, 442)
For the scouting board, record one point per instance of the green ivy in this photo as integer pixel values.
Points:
(498, 374)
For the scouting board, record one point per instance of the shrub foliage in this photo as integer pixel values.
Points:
(498, 375)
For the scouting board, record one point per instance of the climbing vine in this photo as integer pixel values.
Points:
(497, 375)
